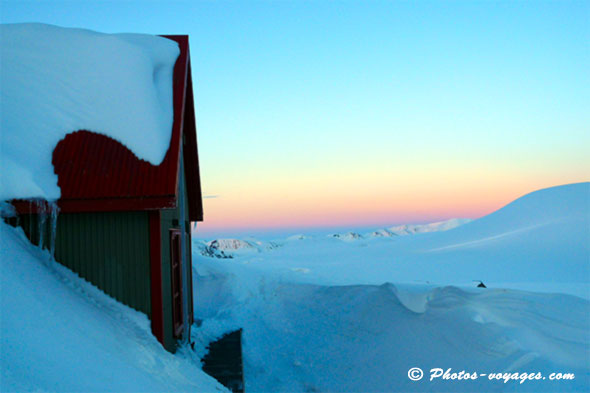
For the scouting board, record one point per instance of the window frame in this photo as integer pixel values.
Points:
(176, 281)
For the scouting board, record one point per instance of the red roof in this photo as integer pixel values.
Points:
(97, 173)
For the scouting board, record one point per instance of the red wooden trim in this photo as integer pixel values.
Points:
(31, 206)
(101, 205)
(176, 275)
(118, 204)
(191, 158)
(156, 275)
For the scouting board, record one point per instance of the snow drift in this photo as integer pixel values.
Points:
(61, 334)
(58, 80)
(365, 338)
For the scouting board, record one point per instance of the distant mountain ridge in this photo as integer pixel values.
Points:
(227, 247)
(405, 229)
(412, 229)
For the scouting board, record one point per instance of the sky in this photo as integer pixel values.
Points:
(368, 114)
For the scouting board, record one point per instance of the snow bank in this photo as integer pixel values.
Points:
(61, 334)
(59, 80)
(365, 338)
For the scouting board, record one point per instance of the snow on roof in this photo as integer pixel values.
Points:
(59, 80)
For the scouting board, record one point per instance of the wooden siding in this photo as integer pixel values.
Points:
(156, 275)
(110, 250)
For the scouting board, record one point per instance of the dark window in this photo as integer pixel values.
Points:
(175, 262)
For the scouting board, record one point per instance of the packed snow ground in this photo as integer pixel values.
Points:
(59, 80)
(361, 338)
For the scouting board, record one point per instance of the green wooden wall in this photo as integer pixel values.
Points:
(108, 249)
(112, 251)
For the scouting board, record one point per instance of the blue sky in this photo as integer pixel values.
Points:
(367, 113)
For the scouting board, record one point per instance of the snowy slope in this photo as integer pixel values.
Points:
(61, 334)
(542, 238)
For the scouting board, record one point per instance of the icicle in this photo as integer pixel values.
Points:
(31, 219)
(54, 212)
(44, 222)
(41, 219)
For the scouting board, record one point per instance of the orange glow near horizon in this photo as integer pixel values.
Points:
(359, 200)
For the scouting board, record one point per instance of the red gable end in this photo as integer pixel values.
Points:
(97, 173)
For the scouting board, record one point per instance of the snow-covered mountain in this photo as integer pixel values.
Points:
(406, 229)
(381, 233)
(228, 248)
(412, 229)
(230, 244)
(297, 237)
(348, 236)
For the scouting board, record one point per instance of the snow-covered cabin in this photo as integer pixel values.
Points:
(124, 224)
